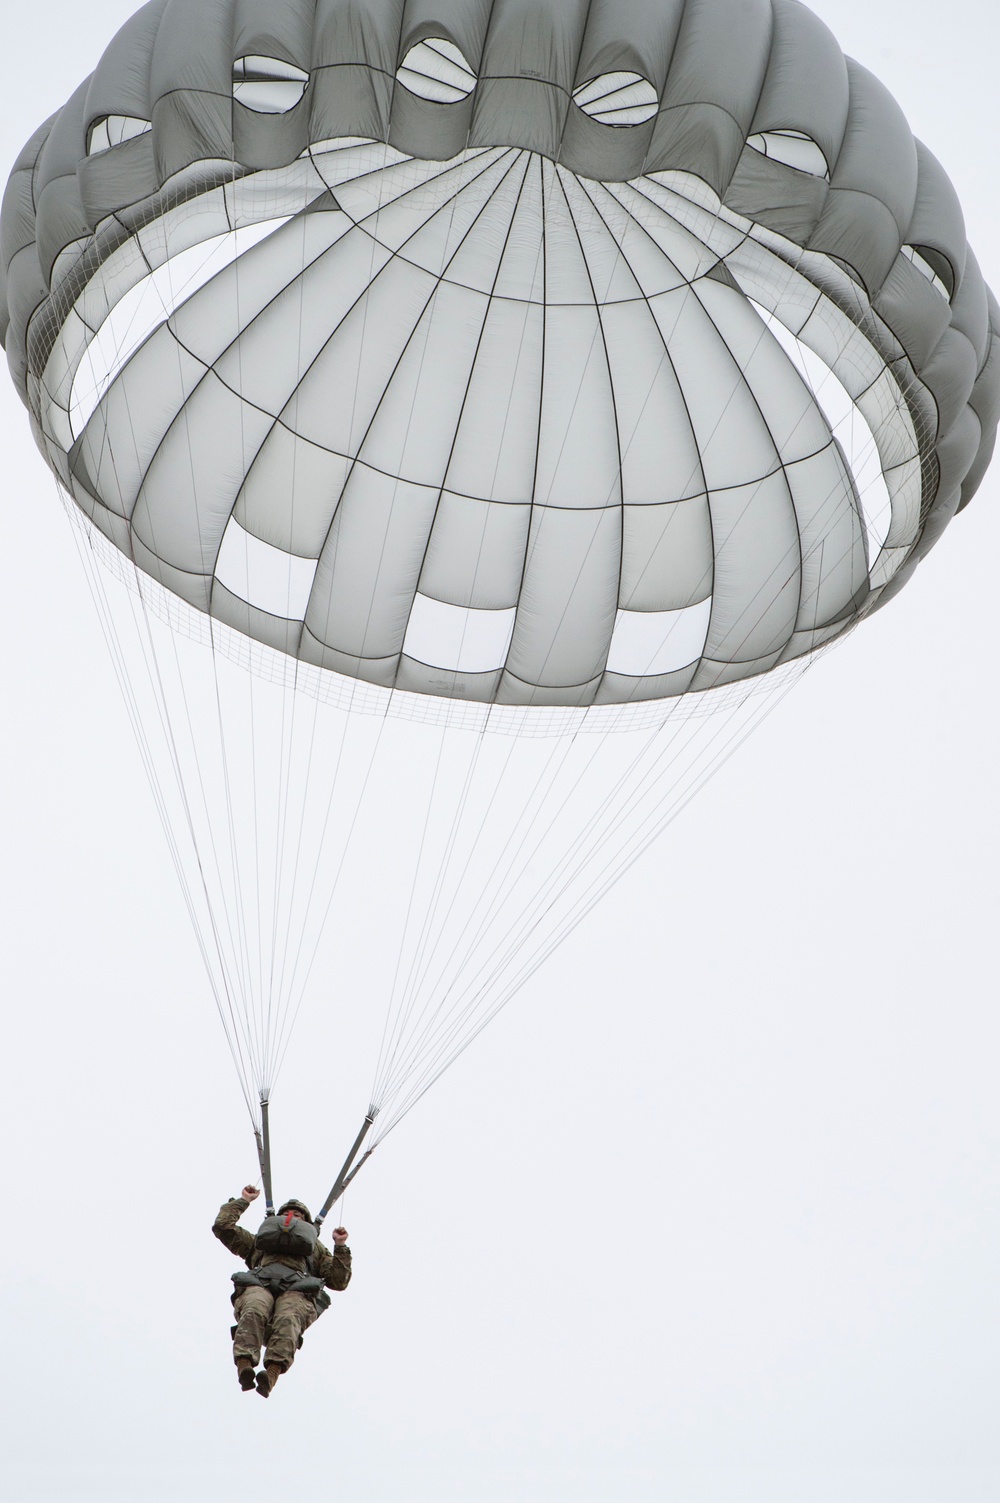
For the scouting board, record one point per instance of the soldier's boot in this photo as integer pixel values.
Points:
(245, 1373)
(267, 1379)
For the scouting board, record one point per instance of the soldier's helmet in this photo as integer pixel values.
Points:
(295, 1205)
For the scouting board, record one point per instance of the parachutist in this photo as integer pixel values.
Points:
(690, 374)
(284, 1288)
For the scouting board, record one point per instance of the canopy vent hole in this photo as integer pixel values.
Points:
(932, 265)
(112, 130)
(793, 149)
(267, 85)
(622, 99)
(436, 70)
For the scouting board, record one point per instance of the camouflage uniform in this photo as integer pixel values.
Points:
(261, 1316)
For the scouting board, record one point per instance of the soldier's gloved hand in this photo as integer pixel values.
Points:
(250, 1192)
(340, 1236)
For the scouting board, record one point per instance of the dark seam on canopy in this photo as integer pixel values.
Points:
(458, 423)
(537, 161)
(765, 334)
(278, 418)
(355, 459)
(768, 60)
(355, 63)
(187, 89)
(614, 414)
(585, 683)
(688, 104)
(677, 382)
(743, 384)
(360, 225)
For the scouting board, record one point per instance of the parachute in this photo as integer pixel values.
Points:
(474, 416)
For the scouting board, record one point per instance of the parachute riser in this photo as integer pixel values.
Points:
(346, 1174)
(358, 1166)
(264, 1152)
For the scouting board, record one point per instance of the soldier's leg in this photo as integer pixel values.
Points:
(253, 1312)
(293, 1314)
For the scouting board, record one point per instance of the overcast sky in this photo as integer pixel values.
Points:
(710, 1215)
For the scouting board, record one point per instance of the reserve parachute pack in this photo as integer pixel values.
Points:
(287, 1236)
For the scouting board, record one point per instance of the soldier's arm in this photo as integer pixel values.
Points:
(334, 1268)
(236, 1238)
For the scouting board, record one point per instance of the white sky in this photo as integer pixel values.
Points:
(709, 1216)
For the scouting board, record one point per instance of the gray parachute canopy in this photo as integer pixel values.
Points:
(554, 352)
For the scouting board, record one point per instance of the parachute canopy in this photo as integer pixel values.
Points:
(537, 366)
(538, 352)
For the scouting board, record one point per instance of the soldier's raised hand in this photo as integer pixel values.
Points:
(340, 1236)
(250, 1192)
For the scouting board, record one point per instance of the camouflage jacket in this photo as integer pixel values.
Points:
(334, 1268)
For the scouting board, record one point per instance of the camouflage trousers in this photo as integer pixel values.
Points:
(277, 1321)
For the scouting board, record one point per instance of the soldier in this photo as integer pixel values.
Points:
(284, 1290)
